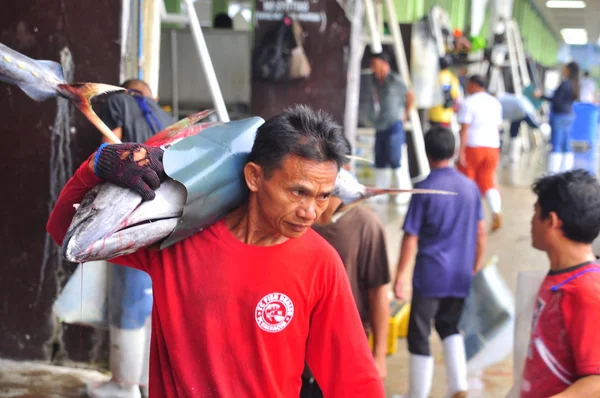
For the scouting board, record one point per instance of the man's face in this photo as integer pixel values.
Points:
(539, 229)
(295, 195)
(470, 87)
(380, 68)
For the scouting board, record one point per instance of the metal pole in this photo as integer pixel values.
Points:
(437, 31)
(372, 22)
(417, 130)
(140, 39)
(521, 55)
(353, 75)
(206, 62)
(512, 59)
(174, 74)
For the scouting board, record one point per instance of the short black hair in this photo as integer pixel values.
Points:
(132, 82)
(586, 73)
(445, 62)
(302, 132)
(382, 55)
(477, 80)
(348, 146)
(439, 143)
(223, 21)
(575, 198)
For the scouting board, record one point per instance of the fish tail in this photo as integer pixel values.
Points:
(81, 94)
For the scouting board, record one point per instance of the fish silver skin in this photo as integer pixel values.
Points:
(112, 221)
(42, 80)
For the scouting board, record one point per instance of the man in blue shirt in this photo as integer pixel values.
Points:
(449, 232)
(393, 101)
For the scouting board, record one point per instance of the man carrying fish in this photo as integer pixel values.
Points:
(239, 306)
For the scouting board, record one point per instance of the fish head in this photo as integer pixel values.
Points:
(112, 221)
(347, 188)
(352, 192)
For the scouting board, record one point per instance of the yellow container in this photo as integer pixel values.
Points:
(398, 327)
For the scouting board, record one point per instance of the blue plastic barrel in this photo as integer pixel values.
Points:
(584, 135)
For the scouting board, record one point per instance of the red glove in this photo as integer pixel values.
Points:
(121, 164)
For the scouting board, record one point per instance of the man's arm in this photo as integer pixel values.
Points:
(379, 314)
(465, 118)
(588, 386)
(78, 185)
(481, 242)
(374, 273)
(580, 307)
(410, 100)
(408, 251)
(337, 349)
(76, 188)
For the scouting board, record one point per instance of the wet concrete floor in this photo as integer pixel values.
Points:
(511, 244)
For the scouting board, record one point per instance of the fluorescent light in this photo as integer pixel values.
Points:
(565, 4)
(574, 36)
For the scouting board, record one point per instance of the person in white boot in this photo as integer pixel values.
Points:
(130, 306)
(393, 101)
(447, 236)
(561, 158)
(480, 119)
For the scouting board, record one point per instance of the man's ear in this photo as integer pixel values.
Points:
(253, 174)
(555, 222)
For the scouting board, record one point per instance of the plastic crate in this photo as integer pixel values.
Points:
(398, 325)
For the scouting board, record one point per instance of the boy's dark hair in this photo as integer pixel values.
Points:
(478, 80)
(439, 143)
(575, 198)
(302, 132)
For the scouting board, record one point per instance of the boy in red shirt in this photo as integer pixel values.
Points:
(563, 359)
(239, 306)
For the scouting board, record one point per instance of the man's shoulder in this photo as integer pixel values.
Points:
(365, 217)
(583, 285)
(451, 178)
(314, 244)
(118, 98)
(394, 79)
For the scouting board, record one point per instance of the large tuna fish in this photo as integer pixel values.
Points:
(205, 182)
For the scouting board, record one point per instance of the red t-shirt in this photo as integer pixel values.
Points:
(565, 342)
(235, 320)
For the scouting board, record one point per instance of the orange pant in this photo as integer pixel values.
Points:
(481, 166)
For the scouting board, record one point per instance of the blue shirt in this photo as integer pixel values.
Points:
(447, 230)
(562, 99)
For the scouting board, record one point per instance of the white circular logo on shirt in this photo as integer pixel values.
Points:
(274, 312)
